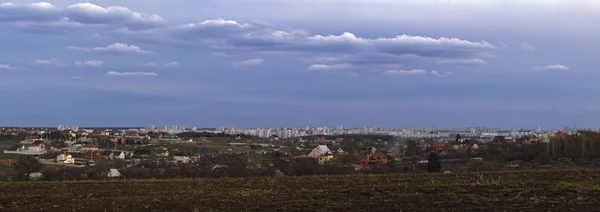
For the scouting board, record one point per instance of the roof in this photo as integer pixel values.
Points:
(113, 173)
(99, 131)
(15, 147)
(319, 151)
(37, 143)
(382, 155)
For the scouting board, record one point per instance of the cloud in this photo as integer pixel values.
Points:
(50, 62)
(527, 47)
(233, 37)
(43, 13)
(211, 28)
(324, 67)
(553, 67)
(222, 35)
(90, 63)
(416, 72)
(437, 74)
(230, 37)
(62, 26)
(247, 63)
(413, 72)
(118, 48)
(77, 78)
(131, 74)
(462, 62)
(169, 64)
(351, 44)
(9, 67)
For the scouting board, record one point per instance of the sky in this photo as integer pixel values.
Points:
(266, 63)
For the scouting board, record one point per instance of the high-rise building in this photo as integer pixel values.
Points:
(149, 128)
(194, 129)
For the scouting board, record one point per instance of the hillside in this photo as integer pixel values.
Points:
(493, 191)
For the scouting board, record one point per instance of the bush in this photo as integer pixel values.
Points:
(433, 164)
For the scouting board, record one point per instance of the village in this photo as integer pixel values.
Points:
(104, 153)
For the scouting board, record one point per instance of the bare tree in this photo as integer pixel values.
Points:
(25, 166)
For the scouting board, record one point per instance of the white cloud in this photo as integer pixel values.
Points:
(80, 13)
(119, 48)
(41, 62)
(231, 36)
(351, 44)
(9, 67)
(211, 28)
(169, 64)
(77, 78)
(325, 67)
(528, 47)
(462, 61)
(553, 67)
(437, 74)
(90, 63)
(247, 63)
(131, 74)
(413, 72)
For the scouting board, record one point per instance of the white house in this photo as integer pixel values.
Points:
(319, 151)
(37, 146)
(35, 176)
(65, 158)
(113, 173)
(120, 156)
(182, 159)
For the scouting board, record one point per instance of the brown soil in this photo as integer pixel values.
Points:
(548, 190)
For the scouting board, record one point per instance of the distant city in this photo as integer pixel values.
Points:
(290, 132)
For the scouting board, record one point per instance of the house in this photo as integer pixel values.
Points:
(339, 152)
(356, 167)
(100, 132)
(120, 155)
(16, 148)
(113, 173)
(216, 167)
(321, 150)
(37, 146)
(501, 139)
(132, 133)
(286, 155)
(324, 159)
(65, 158)
(35, 176)
(89, 147)
(82, 132)
(375, 158)
(182, 159)
(163, 151)
(31, 132)
(529, 139)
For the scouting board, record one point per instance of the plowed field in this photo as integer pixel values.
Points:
(564, 190)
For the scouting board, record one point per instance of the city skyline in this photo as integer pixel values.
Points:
(398, 64)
